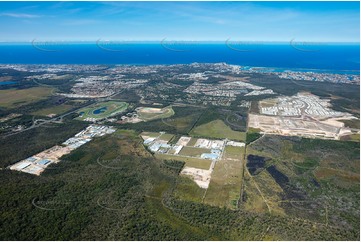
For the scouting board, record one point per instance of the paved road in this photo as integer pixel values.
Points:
(59, 119)
(40, 122)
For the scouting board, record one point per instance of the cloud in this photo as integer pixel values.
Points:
(19, 15)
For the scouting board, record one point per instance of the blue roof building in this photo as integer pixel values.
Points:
(210, 156)
(43, 162)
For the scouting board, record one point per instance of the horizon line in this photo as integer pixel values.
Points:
(177, 40)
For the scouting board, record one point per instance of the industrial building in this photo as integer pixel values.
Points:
(36, 164)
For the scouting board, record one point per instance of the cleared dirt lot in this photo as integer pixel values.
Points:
(294, 126)
(303, 114)
(199, 176)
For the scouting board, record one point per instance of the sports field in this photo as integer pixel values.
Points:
(102, 110)
(18, 97)
(217, 129)
(148, 114)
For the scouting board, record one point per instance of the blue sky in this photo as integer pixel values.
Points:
(199, 21)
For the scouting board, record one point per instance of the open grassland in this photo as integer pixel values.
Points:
(329, 173)
(270, 190)
(189, 161)
(150, 134)
(166, 137)
(236, 120)
(148, 114)
(217, 129)
(13, 98)
(59, 109)
(102, 110)
(192, 142)
(181, 124)
(191, 151)
(305, 178)
(233, 152)
(251, 198)
(225, 186)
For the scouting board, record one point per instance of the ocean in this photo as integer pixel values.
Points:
(332, 58)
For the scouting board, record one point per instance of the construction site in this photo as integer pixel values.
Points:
(303, 114)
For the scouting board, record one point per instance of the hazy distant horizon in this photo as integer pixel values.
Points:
(180, 41)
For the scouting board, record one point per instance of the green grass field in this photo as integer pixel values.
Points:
(148, 114)
(192, 142)
(233, 152)
(150, 134)
(191, 162)
(53, 110)
(224, 188)
(166, 137)
(102, 110)
(217, 129)
(191, 151)
(13, 98)
(181, 124)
